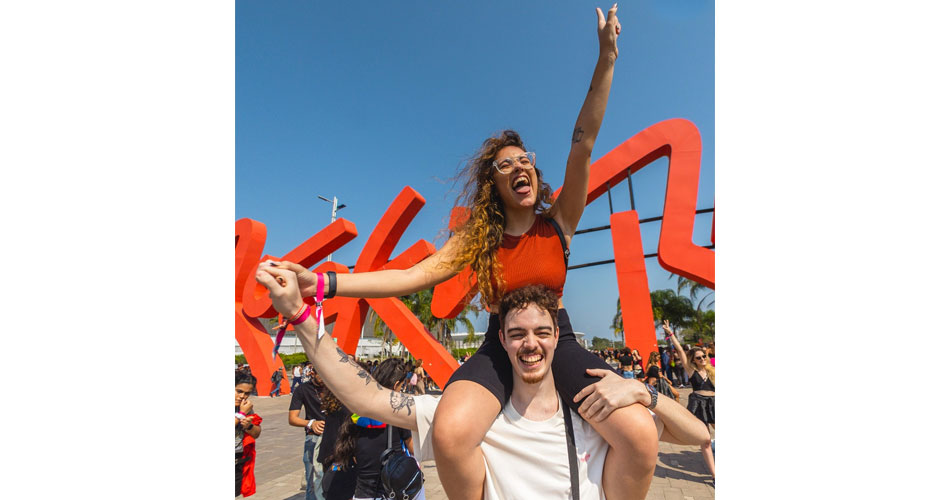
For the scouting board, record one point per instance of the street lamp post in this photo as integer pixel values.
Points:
(332, 215)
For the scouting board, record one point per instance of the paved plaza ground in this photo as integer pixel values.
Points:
(680, 471)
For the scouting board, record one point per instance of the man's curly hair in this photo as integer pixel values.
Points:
(543, 297)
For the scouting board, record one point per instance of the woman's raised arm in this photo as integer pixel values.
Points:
(571, 201)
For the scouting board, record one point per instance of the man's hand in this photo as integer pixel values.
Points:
(318, 425)
(246, 406)
(282, 285)
(247, 423)
(306, 280)
(612, 392)
(607, 31)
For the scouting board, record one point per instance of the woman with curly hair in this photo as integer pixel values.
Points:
(510, 239)
(702, 401)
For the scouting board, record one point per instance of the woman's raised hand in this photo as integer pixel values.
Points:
(668, 330)
(306, 280)
(608, 29)
(282, 285)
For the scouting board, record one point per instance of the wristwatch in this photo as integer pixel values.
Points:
(653, 395)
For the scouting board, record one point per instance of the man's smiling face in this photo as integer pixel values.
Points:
(530, 337)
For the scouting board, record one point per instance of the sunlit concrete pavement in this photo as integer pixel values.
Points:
(680, 471)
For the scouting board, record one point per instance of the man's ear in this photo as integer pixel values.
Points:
(501, 335)
(557, 334)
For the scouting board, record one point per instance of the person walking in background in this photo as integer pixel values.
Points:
(702, 401)
(298, 375)
(307, 397)
(276, 379)
(420, 377)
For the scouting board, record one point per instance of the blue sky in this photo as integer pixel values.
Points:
(357, 103)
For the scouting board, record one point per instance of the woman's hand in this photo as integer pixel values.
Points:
(669, 331)
(306, 280)
(607, 31)
(282, 285)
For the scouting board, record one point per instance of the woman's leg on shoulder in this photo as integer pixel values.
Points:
(465, 413)
(468, 407)
(630, 431)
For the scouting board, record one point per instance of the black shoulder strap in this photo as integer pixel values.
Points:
(560, 234)
(571, 451)
(389, 445)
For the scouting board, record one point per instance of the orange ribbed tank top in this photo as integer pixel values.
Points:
(534, 258)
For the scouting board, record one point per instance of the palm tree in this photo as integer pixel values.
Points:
(380, 329)
(617, 323)
(420, 304)
(695, 290)
(670, 306)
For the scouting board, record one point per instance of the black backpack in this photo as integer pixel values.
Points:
(400, 477)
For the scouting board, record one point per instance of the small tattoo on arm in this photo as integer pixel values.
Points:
(591, 89)
(363, 374)
(399, 401)
(578, 134)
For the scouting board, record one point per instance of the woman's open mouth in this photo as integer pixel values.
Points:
(521, 184)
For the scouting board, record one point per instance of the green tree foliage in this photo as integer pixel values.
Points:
(617, 323)
(599, 343)
(420, 305)
(669, 306)
(289, 360)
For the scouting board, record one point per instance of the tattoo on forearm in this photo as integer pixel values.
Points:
(399, 400)
(591, 89)
(363, 374)
(578, 134)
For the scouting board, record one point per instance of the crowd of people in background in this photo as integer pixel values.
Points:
(668, 363)
(339, 446)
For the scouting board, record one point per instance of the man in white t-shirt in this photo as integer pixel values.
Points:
(525, 450)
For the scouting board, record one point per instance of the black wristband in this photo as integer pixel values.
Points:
(331, 285)
(653, 395)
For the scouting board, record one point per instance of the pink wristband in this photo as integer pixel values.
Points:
(240, 415)
(319, 288)
(303, 317)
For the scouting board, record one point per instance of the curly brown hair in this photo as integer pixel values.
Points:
(543, 297)
(481, 232)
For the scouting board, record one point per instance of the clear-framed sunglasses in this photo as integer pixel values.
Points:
(525, 160)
